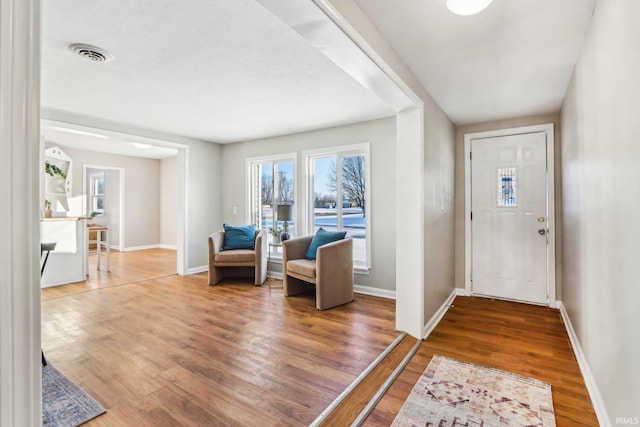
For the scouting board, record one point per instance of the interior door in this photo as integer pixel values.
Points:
(509, 217)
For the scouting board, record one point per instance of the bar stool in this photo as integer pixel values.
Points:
(45, 247)
(101, 240)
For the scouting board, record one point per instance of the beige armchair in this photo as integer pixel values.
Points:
(237, 262)
(330, 275)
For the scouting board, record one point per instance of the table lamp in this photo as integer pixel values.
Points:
(285, 213)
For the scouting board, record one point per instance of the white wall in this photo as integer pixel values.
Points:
(381, 136)
(169, 202)
(600, 128)
(141, 198)
(20, 369)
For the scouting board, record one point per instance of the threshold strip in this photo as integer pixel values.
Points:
(357, 381)
(383, 389)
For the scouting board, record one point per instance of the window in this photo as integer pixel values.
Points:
(272, 182)
(338, 196)
(507, 188)
(96, 196)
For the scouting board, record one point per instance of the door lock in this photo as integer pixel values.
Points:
(542, 231)
(540, 219)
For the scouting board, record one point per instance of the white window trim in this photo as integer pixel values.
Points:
(306, 222)
(92, 178)
(251, 162)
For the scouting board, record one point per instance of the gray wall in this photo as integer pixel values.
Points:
(459, 189)
(204, 176)
(141, 198)
(600, 128)
(169, 202)
(439, 153)
(432, 210)
(381, 136)
(111, 215)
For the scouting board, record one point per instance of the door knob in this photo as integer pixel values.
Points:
(542, 231)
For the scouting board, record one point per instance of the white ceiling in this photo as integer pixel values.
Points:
(73, 137)
(215, 70)
(513, 59)
(225, 71)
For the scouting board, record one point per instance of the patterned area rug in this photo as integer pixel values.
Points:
(454, 393)
(64, 404)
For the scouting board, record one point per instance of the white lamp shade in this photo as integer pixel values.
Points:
(467, 7)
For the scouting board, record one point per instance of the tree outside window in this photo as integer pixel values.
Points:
(272, 184)
(340, 196)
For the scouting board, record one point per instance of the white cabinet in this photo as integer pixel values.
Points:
(68, 262)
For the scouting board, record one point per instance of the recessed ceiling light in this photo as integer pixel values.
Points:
(92, 53)
(141, 146)
(467, 7)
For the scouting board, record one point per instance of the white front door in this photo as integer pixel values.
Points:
(510, 217)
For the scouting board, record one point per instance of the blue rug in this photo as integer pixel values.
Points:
(64, 404)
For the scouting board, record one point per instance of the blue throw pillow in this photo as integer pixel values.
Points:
(323, 237)
(239, 237)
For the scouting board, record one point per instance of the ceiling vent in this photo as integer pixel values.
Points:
(91, 53)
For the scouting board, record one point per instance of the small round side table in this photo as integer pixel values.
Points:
(272, 246)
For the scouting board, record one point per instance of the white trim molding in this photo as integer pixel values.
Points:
(196, 270)
(20, 368)
(590, 382)
(438, 315)
(171, 247)
(547, 129)
(376, 292)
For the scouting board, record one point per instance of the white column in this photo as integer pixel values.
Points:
(20, 374)
(410, 273)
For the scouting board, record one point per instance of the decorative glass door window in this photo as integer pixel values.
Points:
(507, 188)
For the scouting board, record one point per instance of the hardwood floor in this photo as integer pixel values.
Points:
(175, 351)
(126, 267)
(519, 338)
(171, 350)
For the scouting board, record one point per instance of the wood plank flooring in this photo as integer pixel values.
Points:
(171, 350)
(175, 351)
(348, 410)
(519, 338)
(126, 267)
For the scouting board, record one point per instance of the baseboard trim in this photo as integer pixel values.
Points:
(437, 317)
(140, 248)
(592, 387)
(376, 292)
(196, 270)
(172, 247)
(462, 292)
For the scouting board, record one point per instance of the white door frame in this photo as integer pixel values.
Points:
(120, 170)
(551, 232)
